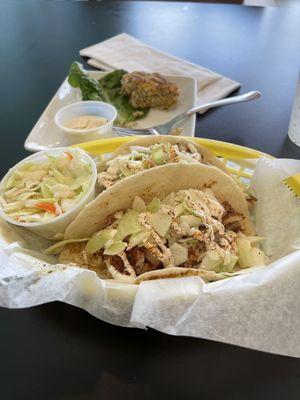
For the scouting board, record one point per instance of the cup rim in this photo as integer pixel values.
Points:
(84, 131)
(64, 215)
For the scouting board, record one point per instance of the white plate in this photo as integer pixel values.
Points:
(45, 134)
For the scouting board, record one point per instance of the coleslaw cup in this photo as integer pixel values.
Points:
(55, 228)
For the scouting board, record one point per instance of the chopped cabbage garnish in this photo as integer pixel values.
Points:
(212, 261)
(138, 238)
(57, 247)
(154, 205)
(40, 191)
(183, 230)
(139, 204)
(249, 256)
(115, 248)
(128, 225)
(141, 158)
(259, 257)
(158, 154)
(99, 240)
(191, 220)
(160, 223)
(245, 256)
(179, 253)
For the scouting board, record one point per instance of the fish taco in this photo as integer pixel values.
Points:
(179, 220)
(150, 152)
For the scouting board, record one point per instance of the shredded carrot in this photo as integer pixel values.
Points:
(69, 155)
(46, 207)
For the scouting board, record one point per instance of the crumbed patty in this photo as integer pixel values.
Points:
(150, 90)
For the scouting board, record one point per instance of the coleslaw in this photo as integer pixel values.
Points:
(42, 191)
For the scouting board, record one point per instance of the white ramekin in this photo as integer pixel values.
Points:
(80, 108)
(53, 229)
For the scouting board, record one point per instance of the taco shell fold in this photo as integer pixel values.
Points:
(159, 182)
(207, 156)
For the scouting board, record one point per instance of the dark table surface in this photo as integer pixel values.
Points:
(57, 352)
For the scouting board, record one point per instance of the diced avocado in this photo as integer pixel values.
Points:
(160, 223)
(99, 240)
(138, 238)
(211, 261)
(154, 205)
(115, 248)
(128, 225)
(179, 253)
(139, 204)
(191, 220)
(157, 155)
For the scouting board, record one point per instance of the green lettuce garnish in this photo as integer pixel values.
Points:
(107, 89)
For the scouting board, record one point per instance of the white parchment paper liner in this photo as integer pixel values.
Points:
(258, 310)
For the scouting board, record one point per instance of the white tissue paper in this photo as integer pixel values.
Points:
(258, 310)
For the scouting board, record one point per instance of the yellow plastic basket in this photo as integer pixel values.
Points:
(239, 160)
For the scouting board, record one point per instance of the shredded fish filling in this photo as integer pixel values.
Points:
(141, 158)
(187, 229)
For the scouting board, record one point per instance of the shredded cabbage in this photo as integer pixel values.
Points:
(40, 191)
(185, 229)
(140, 158)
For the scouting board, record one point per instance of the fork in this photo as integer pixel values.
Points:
(166, 128)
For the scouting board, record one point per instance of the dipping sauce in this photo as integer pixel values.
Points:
(85, 122)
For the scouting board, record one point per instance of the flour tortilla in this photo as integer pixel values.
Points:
(75, 255)
(158, 182)
(177, 272)
(155, 182)
(207, 156)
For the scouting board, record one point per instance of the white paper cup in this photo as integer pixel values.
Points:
(55, 228)
(97, 108)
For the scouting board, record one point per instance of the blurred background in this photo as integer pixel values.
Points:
(259, 3)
